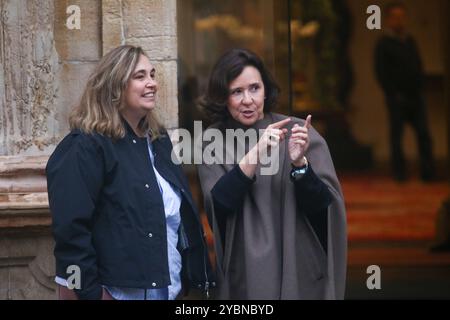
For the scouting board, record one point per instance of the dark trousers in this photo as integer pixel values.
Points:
(409, 109)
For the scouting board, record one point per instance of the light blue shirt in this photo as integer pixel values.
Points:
(172, 202)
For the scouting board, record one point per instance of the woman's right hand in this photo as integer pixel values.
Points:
(106, 295)
(65, 293)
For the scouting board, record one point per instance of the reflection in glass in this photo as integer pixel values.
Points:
(314, 43)
(303, 55)
(206, 29)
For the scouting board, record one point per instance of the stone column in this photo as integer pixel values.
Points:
(44, 66)
(28, 68)
(26, 247)
(28, 91)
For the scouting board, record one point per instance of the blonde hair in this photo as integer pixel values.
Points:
(102, 99)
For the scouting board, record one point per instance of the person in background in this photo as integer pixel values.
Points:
(399, 71)
(280, 235)
(122, 210)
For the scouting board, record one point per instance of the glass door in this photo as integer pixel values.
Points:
(208, 28)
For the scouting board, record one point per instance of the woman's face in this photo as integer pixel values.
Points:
(246, 97)
(140, 94)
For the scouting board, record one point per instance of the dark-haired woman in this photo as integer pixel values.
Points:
(280, 235)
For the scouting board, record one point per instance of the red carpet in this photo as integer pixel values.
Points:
(379, 208)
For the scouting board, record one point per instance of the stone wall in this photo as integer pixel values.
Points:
(44, 66)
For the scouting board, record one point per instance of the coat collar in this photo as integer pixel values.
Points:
(129, 130)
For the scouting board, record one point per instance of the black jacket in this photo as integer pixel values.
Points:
(108, 214)
(398, 66)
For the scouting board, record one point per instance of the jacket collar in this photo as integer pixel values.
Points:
(129, 130)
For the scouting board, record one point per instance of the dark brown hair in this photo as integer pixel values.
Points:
(227, 68)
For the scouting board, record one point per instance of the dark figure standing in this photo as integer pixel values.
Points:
(399, 71)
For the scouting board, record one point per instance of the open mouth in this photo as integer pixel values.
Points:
(150, 94)
(248, 113)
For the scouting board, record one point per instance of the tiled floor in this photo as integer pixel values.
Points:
(379, 208)
(392, 225)
(407, 271)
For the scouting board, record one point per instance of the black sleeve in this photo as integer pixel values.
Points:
(382, 68)
(313, 198)
(311, 193)
(420, 70)
(230, 189)
(74, 180)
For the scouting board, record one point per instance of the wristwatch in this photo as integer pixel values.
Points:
(298, 172)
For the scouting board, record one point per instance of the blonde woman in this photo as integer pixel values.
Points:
(122, 211)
